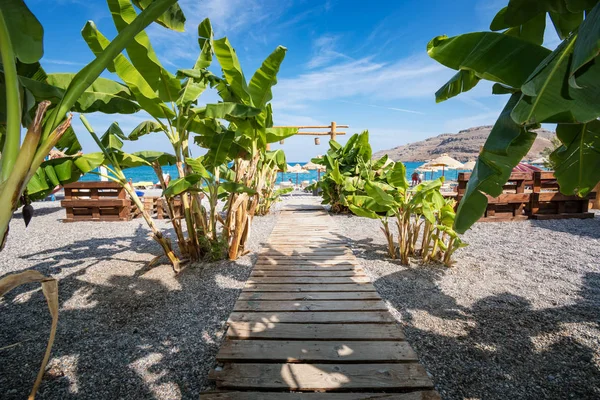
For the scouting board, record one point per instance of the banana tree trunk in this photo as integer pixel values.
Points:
(171, 211)
(156, 233)
(27, 160)
(192, 244)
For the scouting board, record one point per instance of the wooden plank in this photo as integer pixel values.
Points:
(304, 264)
(271, 296)
(420, 395)
(292, 351)
(95, 203)
(290, 261)
(306, 253)
(310, 305)
(292, 331)
(317, 377)
(343, 317)
(310, 280)
(306, 267)
(309, 257)
(304, 287)
(315, 274)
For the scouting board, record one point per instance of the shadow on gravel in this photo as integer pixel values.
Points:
(496, 357)
(578, 227)
(129, 337)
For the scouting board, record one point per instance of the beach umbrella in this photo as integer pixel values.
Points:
(427, 168)
(469, 165)
(311, 166)
(446, 162)
(297, 169)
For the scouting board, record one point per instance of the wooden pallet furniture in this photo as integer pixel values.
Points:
(95, 201)
(548, 203)
(528, 195)
(156, 206)
(309, 320)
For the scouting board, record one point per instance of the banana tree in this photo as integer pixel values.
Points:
(559, 86)
(343, 168)
(420, 212)
(269, 165)
(252, 133)
(21, 44)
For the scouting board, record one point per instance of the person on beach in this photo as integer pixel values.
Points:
(415, 179)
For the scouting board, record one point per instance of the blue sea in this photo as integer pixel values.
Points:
(145, 174)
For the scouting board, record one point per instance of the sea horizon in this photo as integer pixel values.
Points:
(147, 174)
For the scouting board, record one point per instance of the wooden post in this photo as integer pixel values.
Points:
(268, 147)
(595, 204)
(333, 126)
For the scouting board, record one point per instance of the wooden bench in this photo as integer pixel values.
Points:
(96, 201)
(156, 206)
(533, 195)
(511, 205)
(548, 203)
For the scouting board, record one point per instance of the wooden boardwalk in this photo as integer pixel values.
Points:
(309, 320)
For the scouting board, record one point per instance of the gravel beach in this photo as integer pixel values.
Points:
(125, 331)
(517, 317)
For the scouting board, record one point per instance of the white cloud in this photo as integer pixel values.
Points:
(228, 18)
(324, 52)
(413, 77)
(383, 107)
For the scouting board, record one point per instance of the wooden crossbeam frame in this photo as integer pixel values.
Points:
(331, 131)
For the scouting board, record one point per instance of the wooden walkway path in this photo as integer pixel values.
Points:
(309, 320)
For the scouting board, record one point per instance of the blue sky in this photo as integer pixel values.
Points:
(361, 63)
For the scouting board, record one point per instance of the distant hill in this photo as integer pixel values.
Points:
(463, 146)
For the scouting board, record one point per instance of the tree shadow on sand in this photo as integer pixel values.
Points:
(506, 348)
(127, 336)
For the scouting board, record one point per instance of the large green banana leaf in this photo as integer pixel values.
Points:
(230, 111)
(505, 147)
(104, 57)
(180, 185)
(531, 31)
(151, 156)
(490, 55)
(397, 176)
(25, 31)
(68, 142)
(276, 158)
(205, 41)
(379, 195)
(547, 96)
(142, 55)
(104, 95)
(266, 77)
(463, 81)
(145, 128)
(196, 164)
(191, 90)
(144, 94)
(113, 137)
(587, 47)
(61, 171)
(172, 19)
(219, 150)
(577, 161)
(232, 70)
(279, 133)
